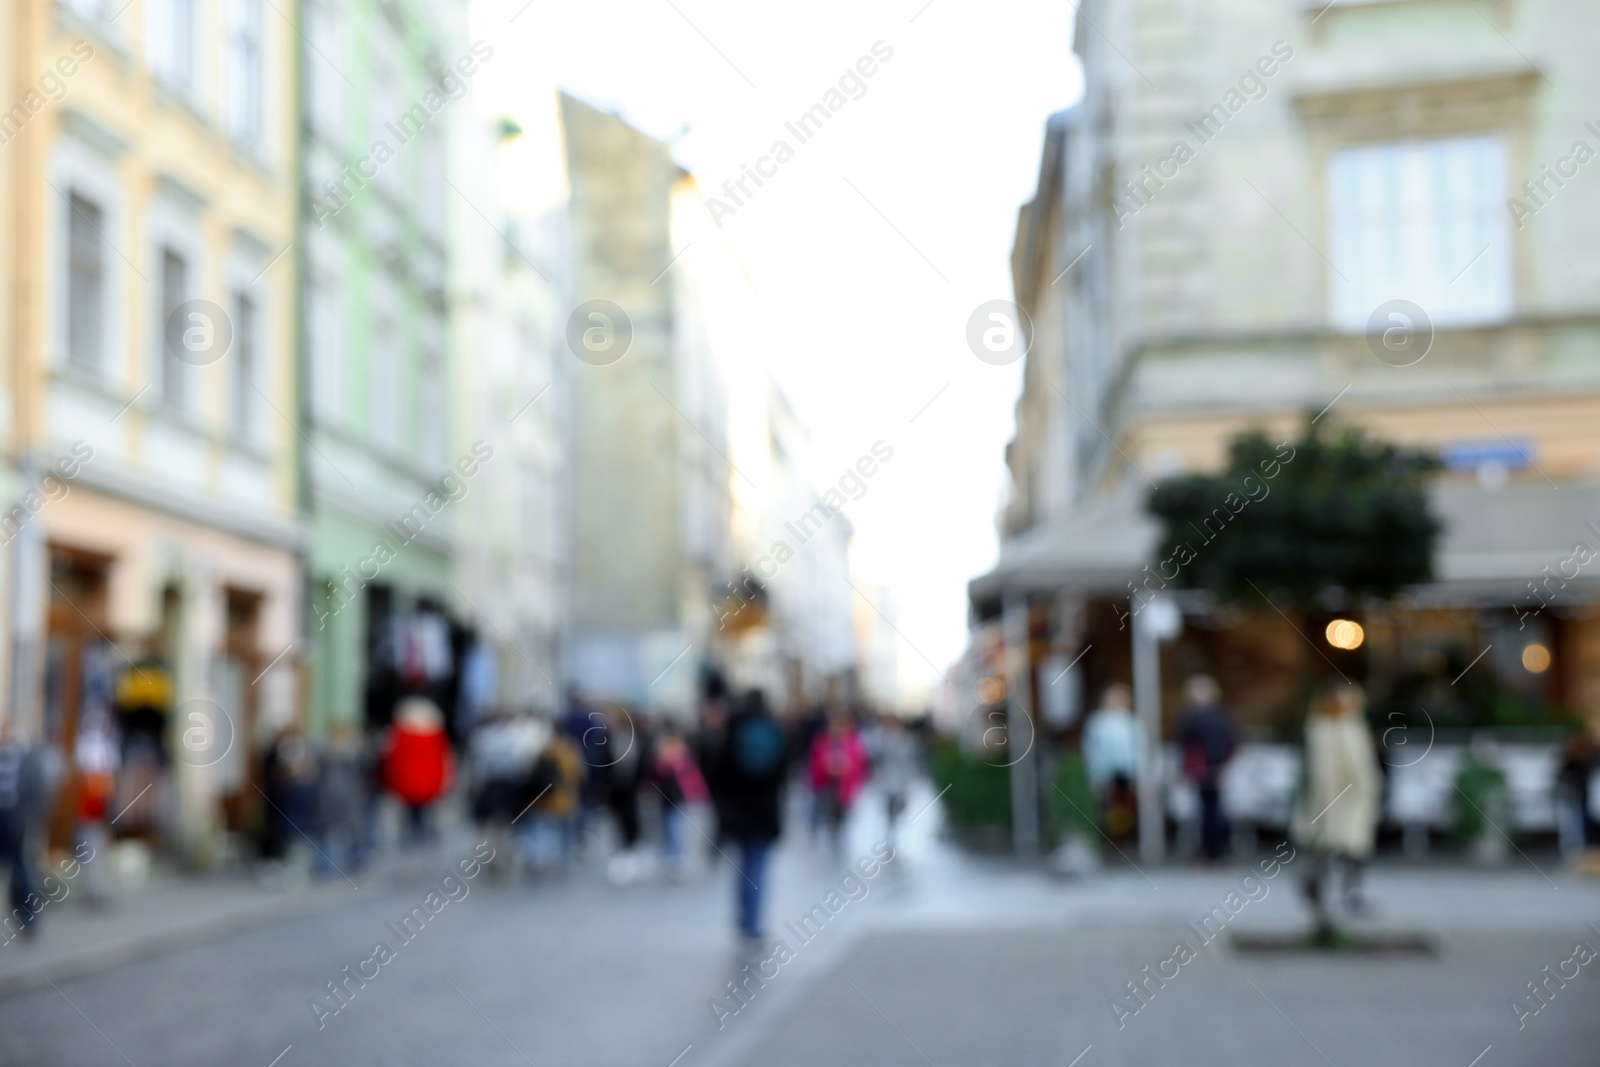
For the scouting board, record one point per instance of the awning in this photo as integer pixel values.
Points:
(1494, 542)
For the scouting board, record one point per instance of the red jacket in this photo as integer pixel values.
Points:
(839, 762)
(417, 765)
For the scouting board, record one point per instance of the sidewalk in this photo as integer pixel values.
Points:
(174, 910)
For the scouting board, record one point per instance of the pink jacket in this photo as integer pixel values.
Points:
(839, 761)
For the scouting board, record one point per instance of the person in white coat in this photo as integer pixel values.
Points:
(1337, 818)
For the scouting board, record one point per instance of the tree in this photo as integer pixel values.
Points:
(1334, 512)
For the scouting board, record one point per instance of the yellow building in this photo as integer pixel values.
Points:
(153, 526)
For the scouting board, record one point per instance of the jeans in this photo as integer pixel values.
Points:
(547, 840)
(672, 820)
(751, 881)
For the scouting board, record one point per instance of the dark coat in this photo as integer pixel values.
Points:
(748, 805)
(1209, 738)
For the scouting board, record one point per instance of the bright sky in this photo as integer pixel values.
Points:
(870, 247)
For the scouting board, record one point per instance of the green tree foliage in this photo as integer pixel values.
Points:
(1333, 510)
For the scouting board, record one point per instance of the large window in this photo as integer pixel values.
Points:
(86, 284)
(1423, 221)
(323, 84)
(170, 26)
(174, 291)
(244, 70)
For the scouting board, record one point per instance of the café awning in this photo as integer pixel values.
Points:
(1494, 542)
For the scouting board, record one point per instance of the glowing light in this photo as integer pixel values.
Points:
(991, 690)
(1535, 658)
(1345, 634)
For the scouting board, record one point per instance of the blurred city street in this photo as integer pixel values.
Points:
(948, 959)
(701, 534)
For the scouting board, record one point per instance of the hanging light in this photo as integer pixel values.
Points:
(1535, 658)
(1345, 633)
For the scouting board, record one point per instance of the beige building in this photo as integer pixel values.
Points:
(652, 534)
(152, 538)
(1382, 210)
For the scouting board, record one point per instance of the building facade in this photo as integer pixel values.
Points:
(382, 469)
(652, 542)
(1256, 214)
(153, 530)
(511, 264)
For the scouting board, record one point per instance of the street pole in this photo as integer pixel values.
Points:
(1154, 621)
(1020, 730)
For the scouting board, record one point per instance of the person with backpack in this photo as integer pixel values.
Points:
(747, 790)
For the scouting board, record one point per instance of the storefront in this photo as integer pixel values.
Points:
(380, 626)
(1508, 634)
(168, 659)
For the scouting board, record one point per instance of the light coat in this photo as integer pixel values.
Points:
(1339, 807)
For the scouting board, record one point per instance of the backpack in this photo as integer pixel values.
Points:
(757, 748)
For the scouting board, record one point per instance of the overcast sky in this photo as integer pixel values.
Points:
(870, 248)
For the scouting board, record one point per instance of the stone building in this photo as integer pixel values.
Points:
(1377, 211)
(652, 535)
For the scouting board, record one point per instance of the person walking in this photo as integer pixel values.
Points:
(22, 803)
(746, 788)
(1338, 814)
(1113, 759)
(417, 763)
(501, 755)
(673, 774)
(554, 804)
(836, 770)
(1208, 738)
(895, 769)
(1575, 788)
(289, 785)
(342, 777)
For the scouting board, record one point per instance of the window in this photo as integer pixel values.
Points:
(383, 382)
(246, 327)
(86, 284)
(174, 291)
(244, 71)
(388, 106)
(171, 36)
(430, 407)
(324, 86)
(1422, 221)
(325, 347)
(91, 10)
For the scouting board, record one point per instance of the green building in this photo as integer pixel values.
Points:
(381, 467)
